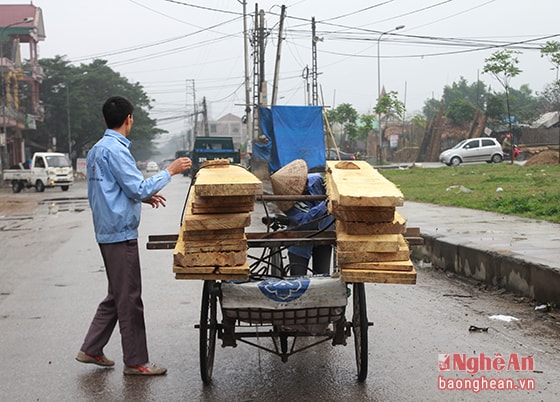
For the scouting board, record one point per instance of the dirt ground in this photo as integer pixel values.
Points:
(543, 158)
(11, 205)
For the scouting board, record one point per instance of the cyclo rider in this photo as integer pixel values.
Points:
(293, 179)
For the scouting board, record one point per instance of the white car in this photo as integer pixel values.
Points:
(473, 150)
(152, 167)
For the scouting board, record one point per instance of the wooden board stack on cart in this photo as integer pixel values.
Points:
(212, 242)
(369, 231)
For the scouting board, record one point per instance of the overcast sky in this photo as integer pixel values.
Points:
(164, 45)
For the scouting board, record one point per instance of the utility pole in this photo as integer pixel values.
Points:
(205, 117)
(195, 111)
(315, 92)
(248, 106)
(262, 86)
(256, 76)
(278, 54)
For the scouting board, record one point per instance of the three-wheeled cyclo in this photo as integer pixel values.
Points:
(273, 310)
(274, 305)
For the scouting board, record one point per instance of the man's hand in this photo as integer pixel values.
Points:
(179, 165)
(155, 200)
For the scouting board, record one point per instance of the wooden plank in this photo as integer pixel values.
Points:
(224, 209)
(397, 226)
(227, 180)
(363, 186)
(220, 258)
(225, 200)
(203, 222)
(362, 214)
(352, 257)
(412, 232)
(201, 235)
(415, 241)
(394, 277)
(212, 273)
(216, 221)
(405, 265)
(242, 269)
(215, 277)
(209, 246)
(221, 205)
(383, 243)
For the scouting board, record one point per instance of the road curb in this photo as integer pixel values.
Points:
(536, 281)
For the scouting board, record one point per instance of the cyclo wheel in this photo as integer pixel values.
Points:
(208, 331)
(360, 327)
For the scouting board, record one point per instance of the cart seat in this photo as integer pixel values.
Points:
(285, 301)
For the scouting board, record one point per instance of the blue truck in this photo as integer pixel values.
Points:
(211, 148)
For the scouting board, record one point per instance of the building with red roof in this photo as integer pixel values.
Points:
(19, 82)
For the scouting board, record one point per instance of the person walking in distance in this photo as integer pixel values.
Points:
(116, 189)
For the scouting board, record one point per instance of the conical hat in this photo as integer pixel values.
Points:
(289, 180)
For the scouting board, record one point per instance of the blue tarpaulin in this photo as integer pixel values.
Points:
(293, 132)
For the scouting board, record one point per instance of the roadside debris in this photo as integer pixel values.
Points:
(506, 318)
(458, 189)
(474, 328)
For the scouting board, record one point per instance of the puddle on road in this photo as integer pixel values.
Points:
(15, 223)
(53, 206)
(46, 207)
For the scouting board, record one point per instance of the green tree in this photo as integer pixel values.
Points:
(347, 116)
(549, 100)
(551, 50)
(502, 64)
(366, 124)
(419, 121)
(389, 106)
(523, 106)
(75, 94)
(495, 109)
(431, 107)
(475, 93)
(551, 94)
(460, 111)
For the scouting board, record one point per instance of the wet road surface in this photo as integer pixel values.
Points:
(53, 279)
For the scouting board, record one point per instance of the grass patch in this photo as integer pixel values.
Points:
(528, 191)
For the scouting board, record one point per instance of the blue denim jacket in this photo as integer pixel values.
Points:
(116, 188)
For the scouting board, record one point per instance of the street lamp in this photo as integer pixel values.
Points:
(68, 122)
(3, 153)
(379, 83)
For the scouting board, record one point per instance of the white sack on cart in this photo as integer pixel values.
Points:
(286, 293)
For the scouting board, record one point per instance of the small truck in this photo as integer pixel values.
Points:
(46, 169)
(211, 148)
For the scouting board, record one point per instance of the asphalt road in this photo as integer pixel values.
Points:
(53, 279)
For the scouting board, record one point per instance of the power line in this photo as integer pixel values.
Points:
(356, 12)
(158, 43)
(204, 8)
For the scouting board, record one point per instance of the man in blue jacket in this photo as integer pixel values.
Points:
(116, 189)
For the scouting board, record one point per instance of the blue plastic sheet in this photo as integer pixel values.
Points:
(293, 132)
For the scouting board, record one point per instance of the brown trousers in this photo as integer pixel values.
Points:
(123, 304)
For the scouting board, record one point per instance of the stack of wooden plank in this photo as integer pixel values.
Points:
(212, 242)
(369, 231)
